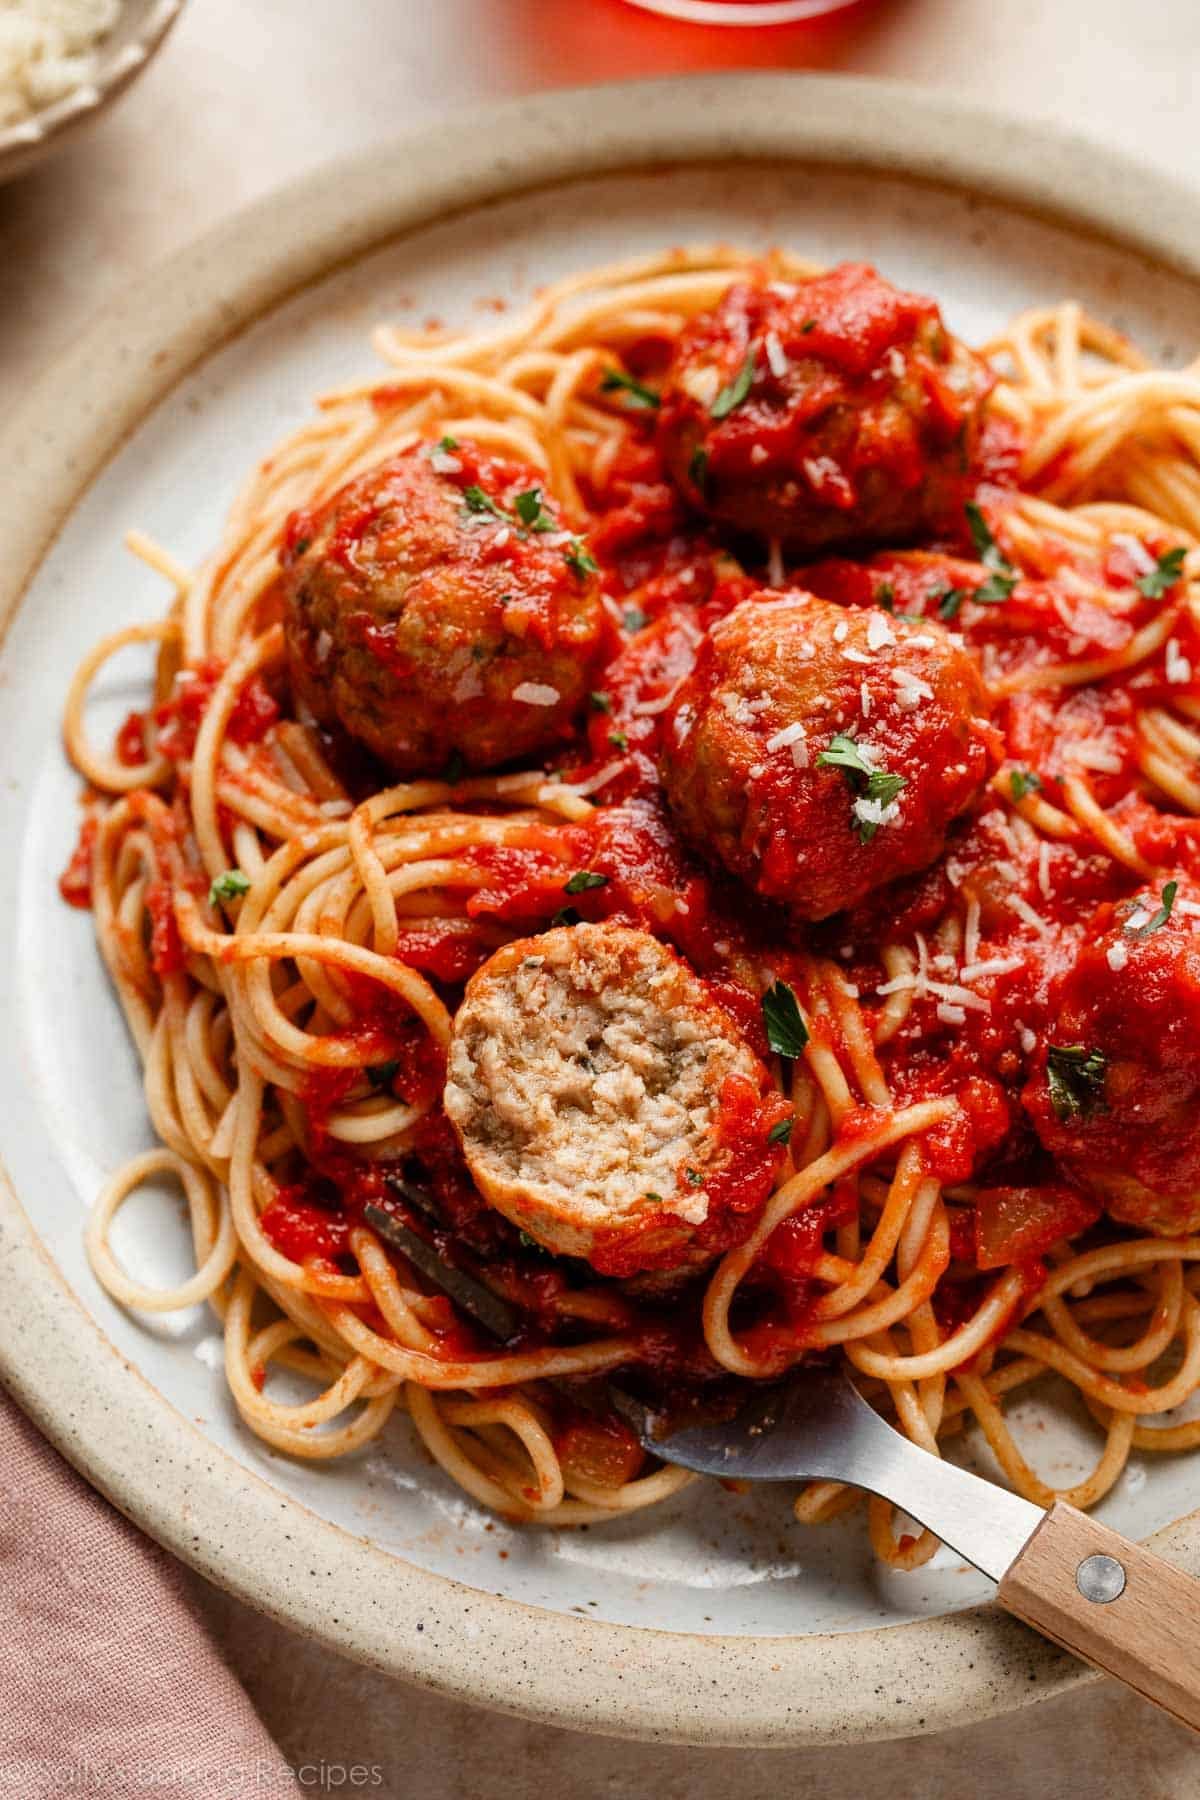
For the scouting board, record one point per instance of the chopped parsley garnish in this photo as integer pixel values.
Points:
(383, 1074)
(580, 560)
(1158, 919)
(476, 501)
(695, 1177)
(844, 753)
(698, 470)
(619, 740)
(447, 445)
(868, 783)
(1076, 1078)
(301, 545)
(1003, 577)
(781, 1133)
(657, 1198)
(635, 618)
(882, 787)
(732, 395)
(994, 590)
(885, 596)
(529, 509)
(1022, 782)
(808, 325)
(229, 886)
(582, 880)
(567, 915)
(787, 1033)
(639, 393)
(1165, 573)
(600, 702)
(950, 601)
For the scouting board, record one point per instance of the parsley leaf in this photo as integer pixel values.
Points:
(476, 501)
(639, 393)
(1022, 782)
(567, 915)
(634, 618)
(844, 753)
(582, 880)
(695, 1177)
(229, 886)
(1165, 573)
(529, 509)
(986, 547)
(869, 783)
(885, 596)
(994, 590)
(1158, 919)
(447, 445)
(732, 395)
(600, 701)
(383, 1074)
(787, 1033)
(950, 601)
(1076, 1078)
(781, 1133)
(698, 470)
(808, 325)
(619, 740)
(580, 559)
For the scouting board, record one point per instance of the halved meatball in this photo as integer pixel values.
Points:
(1115, 1094)
(607, 1105)
(436, 607)
(835, 410)
(818, 751)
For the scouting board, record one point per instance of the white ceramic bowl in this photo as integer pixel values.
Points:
(718, 1619)
(119, 59)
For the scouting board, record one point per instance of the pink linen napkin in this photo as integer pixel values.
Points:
(109, 1683)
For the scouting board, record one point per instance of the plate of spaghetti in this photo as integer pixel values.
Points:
(642, 777)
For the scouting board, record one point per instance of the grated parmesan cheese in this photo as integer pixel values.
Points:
(1178, 668)
(777, 359)
(536, 693)
(1116, 956)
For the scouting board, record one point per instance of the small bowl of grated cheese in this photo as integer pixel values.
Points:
(63, 61)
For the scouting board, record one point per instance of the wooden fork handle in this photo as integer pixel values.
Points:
(1115, 1604)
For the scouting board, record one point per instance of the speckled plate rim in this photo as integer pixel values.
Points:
(89, 1400)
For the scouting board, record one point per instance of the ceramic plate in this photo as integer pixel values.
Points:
(716, 1618)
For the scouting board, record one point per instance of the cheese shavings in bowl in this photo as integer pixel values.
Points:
(47, 51)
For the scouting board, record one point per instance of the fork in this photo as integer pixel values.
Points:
(1104, 1598)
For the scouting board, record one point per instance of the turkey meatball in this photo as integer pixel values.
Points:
(819, 751)
(436, 608)
(607, 1105)
(832, 411)
(1115, 1095)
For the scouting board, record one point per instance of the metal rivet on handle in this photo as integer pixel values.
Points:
(1100, 1578)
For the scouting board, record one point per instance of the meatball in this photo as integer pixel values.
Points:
(836, 410)
(1115, 1094)
(818, 751)
(607, 1105)
(435, 609)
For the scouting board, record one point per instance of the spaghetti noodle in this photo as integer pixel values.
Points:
(288, 930)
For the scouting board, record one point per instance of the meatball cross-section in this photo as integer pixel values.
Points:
(832, 411)
(436, 608)
(607, 1105)
(819, 751)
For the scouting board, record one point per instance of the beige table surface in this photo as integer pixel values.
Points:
(248, 93)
